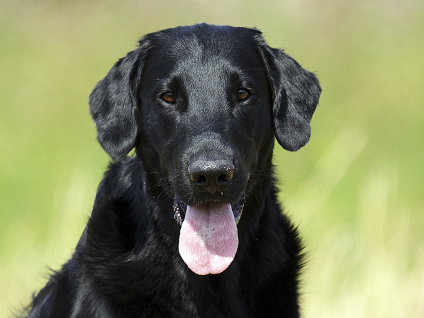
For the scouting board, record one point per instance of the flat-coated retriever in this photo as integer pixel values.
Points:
(190, 226)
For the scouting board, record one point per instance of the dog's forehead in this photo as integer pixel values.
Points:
(208, 36)
(204, 44)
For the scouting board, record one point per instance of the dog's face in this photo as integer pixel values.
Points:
(206, 114)
(202, 105)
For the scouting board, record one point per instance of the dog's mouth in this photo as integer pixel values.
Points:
(180, 209)
(208, 237)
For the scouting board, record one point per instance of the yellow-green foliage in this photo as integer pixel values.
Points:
(356, 190)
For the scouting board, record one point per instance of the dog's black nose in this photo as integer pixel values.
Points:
(211, 176)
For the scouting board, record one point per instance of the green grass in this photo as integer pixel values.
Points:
(355, 190)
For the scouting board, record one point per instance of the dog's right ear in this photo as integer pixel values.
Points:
(114, 103)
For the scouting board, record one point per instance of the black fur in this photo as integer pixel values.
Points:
(127, 263)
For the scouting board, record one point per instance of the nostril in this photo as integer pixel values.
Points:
(198, 178)
(201, 179)
(225, 177)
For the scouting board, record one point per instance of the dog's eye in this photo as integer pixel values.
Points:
(168, 97)
(242, 94)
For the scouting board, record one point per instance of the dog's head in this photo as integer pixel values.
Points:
(201, 105)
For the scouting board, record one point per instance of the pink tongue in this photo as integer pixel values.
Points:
(208, 238)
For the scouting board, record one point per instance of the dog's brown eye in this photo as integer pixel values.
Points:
(168, 97)
(243, 94)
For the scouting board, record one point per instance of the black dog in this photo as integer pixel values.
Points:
(190, 226)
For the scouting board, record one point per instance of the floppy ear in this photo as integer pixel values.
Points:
(295, 96)
(114, 103)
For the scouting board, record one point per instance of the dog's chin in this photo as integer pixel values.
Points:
(180, 207)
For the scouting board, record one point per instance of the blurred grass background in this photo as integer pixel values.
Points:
(356, 190)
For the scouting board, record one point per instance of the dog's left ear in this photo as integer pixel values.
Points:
(295, 96)
(114, 103)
